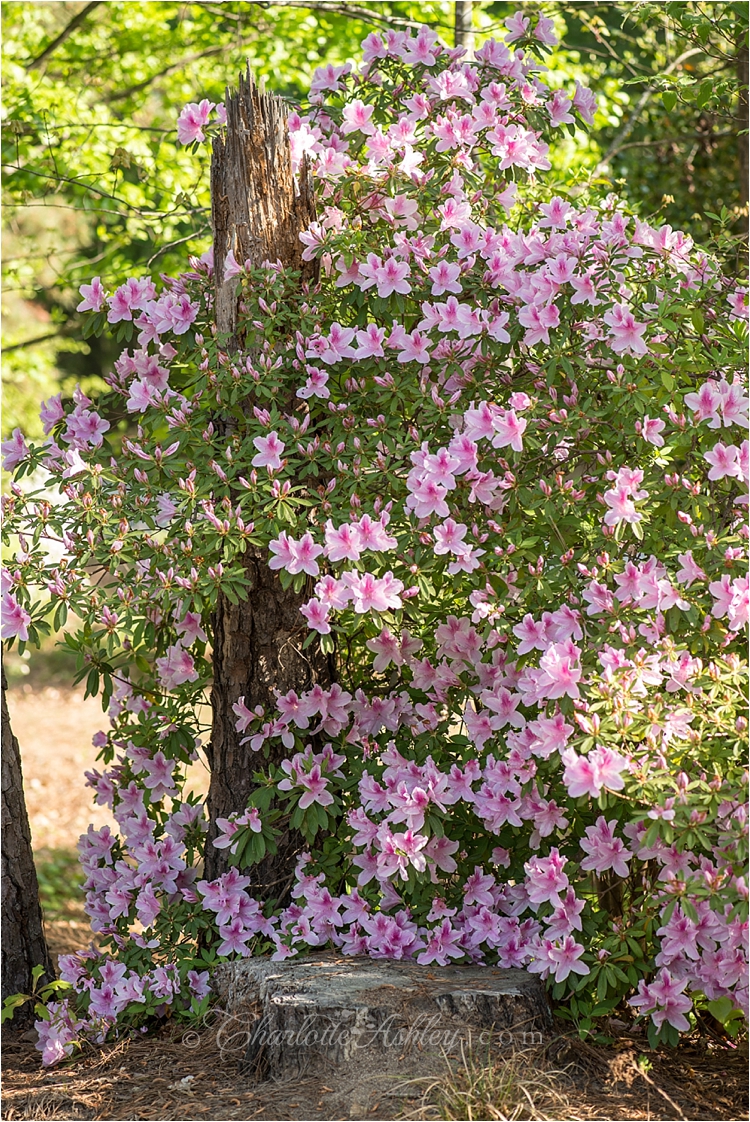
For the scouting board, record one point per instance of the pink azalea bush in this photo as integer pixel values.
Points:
(501, 445)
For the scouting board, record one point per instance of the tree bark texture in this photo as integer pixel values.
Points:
(24, 944)
(259, 209)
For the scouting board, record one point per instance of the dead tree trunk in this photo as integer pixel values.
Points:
(259, 209)
(24, 944)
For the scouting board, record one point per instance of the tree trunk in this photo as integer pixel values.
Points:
(259, 210)
(24, 944)
(463, 36)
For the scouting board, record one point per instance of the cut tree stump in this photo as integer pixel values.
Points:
(323, 1011)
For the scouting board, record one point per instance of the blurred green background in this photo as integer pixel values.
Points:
(95, 183)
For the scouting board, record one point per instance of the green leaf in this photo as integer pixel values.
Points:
(669, 99)
(721, 1008)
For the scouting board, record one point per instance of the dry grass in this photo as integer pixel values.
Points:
(576, 1082)
(499, 1088)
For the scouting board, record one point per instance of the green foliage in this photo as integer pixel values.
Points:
(95, 182)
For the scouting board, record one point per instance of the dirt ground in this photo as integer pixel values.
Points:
(163, 1077)
(173, 1074)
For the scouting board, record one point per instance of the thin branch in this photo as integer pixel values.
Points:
(367, 15)
(680, 138)
(64, 34)
(31, 342)
(632, 121)
(78, 183)
(188, 238)
(120, 95)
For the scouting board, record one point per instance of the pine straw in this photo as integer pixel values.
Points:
(579, 1082)
(169, 1076)
(503, 1088)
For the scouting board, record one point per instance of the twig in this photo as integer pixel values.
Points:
(633, 119)
(31, 342)
(64, 34)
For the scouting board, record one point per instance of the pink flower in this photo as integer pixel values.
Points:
(585, 103)
(724, 461)
(192, 120)
(304, 553)
(545, 32)
(270, 450)
(295, 557)
(387, 650)
(560, 677)
(51, 413)
(428, 497)
(372, 595)
(604, 850)
(370, 342)
(391, 277)
(559, 107)
(566, 957)
(545, 879)
(316, 788)
(651, 429)
(339, 344)
(93, 296)
(176, 667)
(665, 1000)
(232, 268)
(316, 384)
(625, 333)
(444, 277)
(442, 945)
(282, 550)
(509, 430)
(705, 404)
(15, 619)
(517, 27)
(356, 117)
(538, 319)
(189, 629)
(414, 348)
(449, 538)
(14, 450)
(158, 776)
(342, 544)
(423, 49)
(556, 212)
(234, 939)
(316, 613)
(585, 290)
(85, 428)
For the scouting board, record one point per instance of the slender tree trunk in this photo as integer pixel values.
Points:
(259, 210)
(24, 944)
(463, 36)
(742, 124)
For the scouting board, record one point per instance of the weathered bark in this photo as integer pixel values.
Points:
(325, 1012)
(24, 944)
(259, 210)
(742, 123)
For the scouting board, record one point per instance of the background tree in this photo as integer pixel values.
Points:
(94, 179)
(24, 944)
